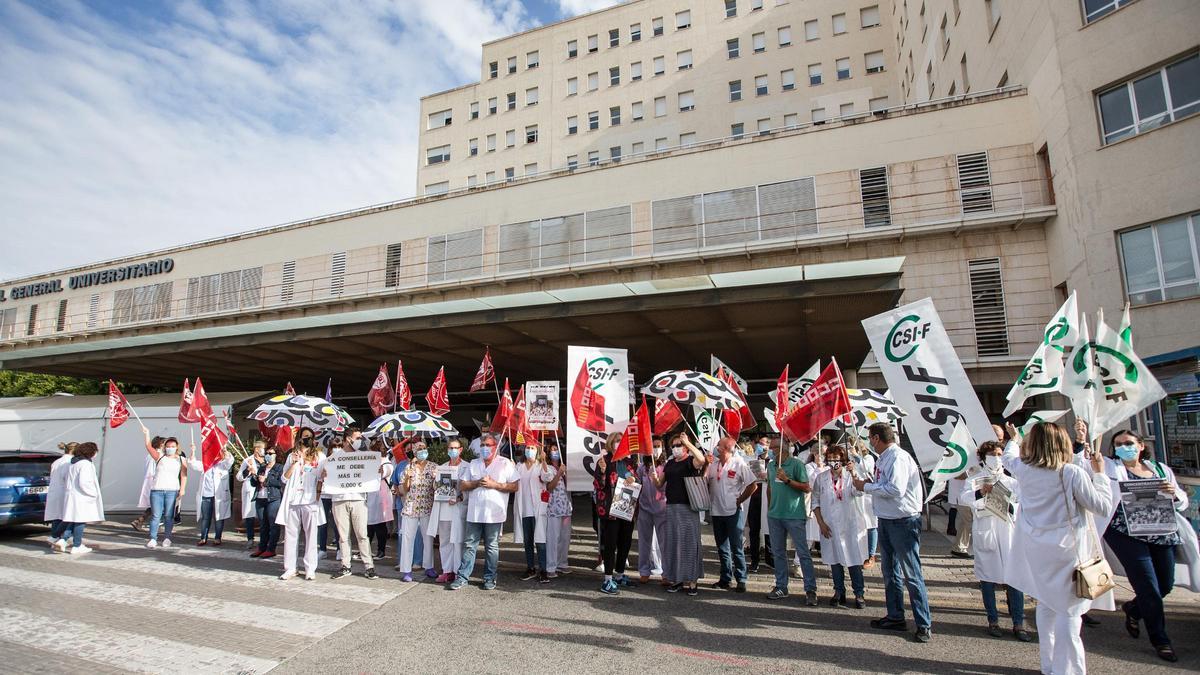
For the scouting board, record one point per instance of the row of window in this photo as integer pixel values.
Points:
(1150, 100)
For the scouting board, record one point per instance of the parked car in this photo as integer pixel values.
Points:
(24, 481)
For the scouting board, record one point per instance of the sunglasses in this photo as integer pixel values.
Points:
(676, 445)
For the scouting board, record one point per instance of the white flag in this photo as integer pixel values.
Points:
(1126, 384)
(798, 386)
(1042, 375)
(958, 456)
(1041, 416)
(715, 364)
(1082, 377)
(1126, 329)
(1063, 329)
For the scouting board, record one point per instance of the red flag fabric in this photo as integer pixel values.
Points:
(118, 407)
(186, 414)
(744, 413)
(280, 437)
(823, 402)
(437, 398)
(666, 415)
(586, 404)
(732, 421)
(382, 397)
(503, 411)
(781, 398)
(486, 372)
(212, 438)
(637, 439)
(403, 393)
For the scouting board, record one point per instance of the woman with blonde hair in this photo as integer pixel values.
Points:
(1054, 534)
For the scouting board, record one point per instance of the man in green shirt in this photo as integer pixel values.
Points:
(787, 514)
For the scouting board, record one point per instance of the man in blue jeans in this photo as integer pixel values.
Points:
(731, 483)
(896, 490)
(787, 515)
(490, 480)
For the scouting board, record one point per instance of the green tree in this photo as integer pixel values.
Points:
(16, 383)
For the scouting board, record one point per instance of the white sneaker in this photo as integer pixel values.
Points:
(310, 577)
(321, 555)
(59, 546)
(287, 575)
(152, 544)
(80, 550)
(166, 543)
(50, 538)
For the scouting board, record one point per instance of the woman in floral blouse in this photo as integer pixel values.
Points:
(417, 484)
(558, 513)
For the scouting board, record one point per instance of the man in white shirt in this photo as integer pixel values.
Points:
(730, 483)
(489, 480)
(349, 511)
(896, 492)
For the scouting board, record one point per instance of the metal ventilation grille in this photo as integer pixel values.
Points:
(93, 311)
(877, 210)
(975, 182)
(337, 273)
(287, 284)
(61, 323)
(987, 306)
(454, 256)
(31, 326)
(144, 303)
(224, 291)
(787, 209)
(393, 270)
(730, 216)
(675, 223)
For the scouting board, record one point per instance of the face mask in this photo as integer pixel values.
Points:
(992, 462)
(678, 452)
(170, 449)
(759, 449)
(530, 453)
(422, 455)
(270, 457)
(554, 456)
(454, 453)
(485, 451)
(1127, 452)
(835, 464)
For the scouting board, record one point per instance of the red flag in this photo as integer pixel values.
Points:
(381, 397)
(186, 414)
(824, 401)
(586, 404)
(118, 407)
(636, 439)
(486, 372)
(212, 438)
(746, 416)
(519, 422)
(503, 411)
(732, 421)
(403, 393)
(280, 437)
(437, 398)
(666, 415)
(781, 398)
(229, 425)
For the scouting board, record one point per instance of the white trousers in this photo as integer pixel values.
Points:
(558, 542)
(302, 516)
(1059, 642)
(651, 530)
(451, 553)
(414, 527)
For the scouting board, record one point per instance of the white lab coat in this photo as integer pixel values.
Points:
(848, 546)
(56, 493)
(812, 530)
(301, 489)
(147, 483)
(535, 483)
(457, 513)
(83, 502)
(991, 537)
(246, 475)
(376, 501)
(866, 469)
(222, 500)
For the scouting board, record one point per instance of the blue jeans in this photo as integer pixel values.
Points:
(900, 541)
(528, 527)
(490, 533)
(780, 529)
(207, 508)
(58, 529)
(162, 512)
(1016, 604)
(268, 536)
(872, 540)
(249, 523)
(75, 531)
(839, 580)
(1150, 569)
(727, 531)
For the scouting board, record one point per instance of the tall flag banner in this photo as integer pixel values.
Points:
(403, 392)
(1063, 329)
(666, 415)
(637, 438)
(1082, 377)
(707, 431)
(212, 438)
(1042, 375)
(504, 410)
(1127, 385)
(587, 406)
(795, 389)
(186, 414)
(381, 397)
(958, 457)
(608, 373)
(925, 378)
(781, 394)
(825, 401)
(1126, 329)
(486, 372)
(717, 365)
(437, 398)
(329, 390)
(746, 417)
(1039, 417)
(118, 406)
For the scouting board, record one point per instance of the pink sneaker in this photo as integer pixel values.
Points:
(443, 578)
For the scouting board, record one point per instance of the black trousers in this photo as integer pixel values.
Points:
(616, 536)
(754, 526)
(379, 534)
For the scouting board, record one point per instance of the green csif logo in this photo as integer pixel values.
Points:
(905, 335)
(601, 371)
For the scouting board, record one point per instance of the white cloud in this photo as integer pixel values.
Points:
(577, 7)
(122, 136)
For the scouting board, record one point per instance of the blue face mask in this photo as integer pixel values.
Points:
(422, 455)
(485, 451)
(454, 453)
(555, 456)
(1127, 452)
(530, 453)
(759, 449)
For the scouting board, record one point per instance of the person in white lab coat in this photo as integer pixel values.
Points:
(247, 475)
(842, 526)
(1053, 537)
(992, 536)
(300, 511)
(214, 505)
(56, 496)
(147, 483)
(83, 502)
(448, 519)
(863, 465)
(529, 510)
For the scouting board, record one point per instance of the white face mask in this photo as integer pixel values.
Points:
(170, 449)
(992, 462)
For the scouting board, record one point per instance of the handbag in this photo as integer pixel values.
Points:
(1094, 577)
(697, 491)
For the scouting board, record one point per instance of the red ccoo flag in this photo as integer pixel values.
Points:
(637, 439)
(486, 372)
(518, 422)
(666, 415)
(118, 407)
(186, 414)
(437, 398)
(212, 438)
(823, 402)
(586, 404)
(503, 411)
(781, 397)
(381, 397)
(403, 393)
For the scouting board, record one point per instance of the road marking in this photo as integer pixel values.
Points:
(140, 653)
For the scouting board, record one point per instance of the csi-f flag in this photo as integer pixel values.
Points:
(1063, 329)
(1126, 384)
(1039, 417)
(1042, 375)
(1082, 378)
(958, 456)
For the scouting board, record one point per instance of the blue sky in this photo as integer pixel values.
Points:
(130, 126)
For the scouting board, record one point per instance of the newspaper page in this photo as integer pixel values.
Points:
(1148, 511)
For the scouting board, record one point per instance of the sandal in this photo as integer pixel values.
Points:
(1166, 653)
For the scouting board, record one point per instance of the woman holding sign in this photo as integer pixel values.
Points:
(616, 533)
(448, 518)
(300, 512)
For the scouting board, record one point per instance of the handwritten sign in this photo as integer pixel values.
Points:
(352, 472)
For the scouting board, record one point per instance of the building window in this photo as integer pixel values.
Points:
(929, 77)
(531, 96)
(791, 121)
(60, 324)
(737, 130)
(814, 74)
(987, 306)
(756, 5)
(843, 69)
(735, 90)
(1094, 9)
(393, 264)
(657, 25)
(594, 120)
(593, 81)
(437, 155)
(572, 48)
(687, 139)
(962, 67)
(442, 118)
(637, 148)
(531, 60)
(686, 101)
(490, 177)
(944, 35)
(993, 12)
(614, 37)
(839, 24)
(572, 86)
(635, 71)
(572, 125)
(759, 42)
(1003, 81)
(531, 133)
(869, 16)
(660, 106)
(684, 59)
(787, 79)
(810, 30)
(594, 158)
(510, 138)
(572, 161)
(873, 187)
(472, 180)
(593, 44)
(512, 65)
(732, 48)
(760, 85)
(730, 9)
(614, 76)
(491, 142)
(878, 103)
(475, 110)
(1150, 101)
(635, 32)
(510, 101)
(764, 126)
(845, 110)
(493, 69)
(8, 319)
(660, 65)
(874, 62)
(510, 174)
(614, 153)
(473, 147)
(660, 144)
(974, 182)
(785, 36)
(636, 111)
(958, 10)
(614, 116)
(683, 20)
(492, 106)
(1162, 261)
(531, 169)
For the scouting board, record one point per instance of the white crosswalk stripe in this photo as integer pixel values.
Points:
(129, 651)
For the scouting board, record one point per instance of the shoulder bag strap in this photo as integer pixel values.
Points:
(1070, 519)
